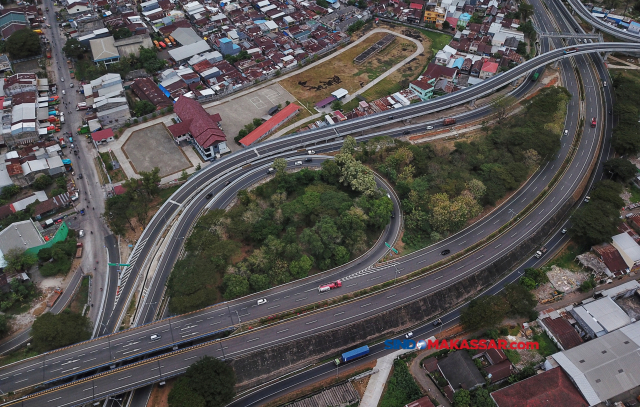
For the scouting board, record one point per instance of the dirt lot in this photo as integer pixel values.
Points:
(154, 147)
(340, 71)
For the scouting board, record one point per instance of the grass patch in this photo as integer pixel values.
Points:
(566, 258)
(17, 309)
(546, 346)
(401, 388)
(635, 194)
(81, 297)
(17, 356)
(165, 193)
(438, 41)
(512, 355)
(382, 89)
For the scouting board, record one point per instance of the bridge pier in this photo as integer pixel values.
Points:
(556, 64)
(606, 55)
(472, 103)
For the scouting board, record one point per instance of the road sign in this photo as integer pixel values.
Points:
(389, 246)
(118, 264)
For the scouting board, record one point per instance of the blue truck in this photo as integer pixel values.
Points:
(351, 355)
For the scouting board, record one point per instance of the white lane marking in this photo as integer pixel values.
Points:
(284, 330)
(339, 313)
(307, 323)
(254, 339)
(300, 299)
(365, 305)
(126, 377)
(192, 357)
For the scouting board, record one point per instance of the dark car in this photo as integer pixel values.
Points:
(81, 211)
(445, 252)
(390, 118)
(227, 183)
(393, 215)
(209, 195)
(405, 132)
(308, 159)
(610, 112)
(437, 322)
(80, 176)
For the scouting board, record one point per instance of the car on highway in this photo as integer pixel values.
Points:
(408, 335)
(311, 152)
(227, 183)
(445, 252)
(390, 118)
(209, 195)
(564, 230)
(437, 322)
(308, 159)
(610, 111)
(405, 132)
(566, 132)
(80, 176)
(62, 79)
(155, 337)
(587, 199)
(262, 301)
(604, 84)
(63, 92)
(81, 233)
(429, 127)
(270, 171)
(71, 85)
(298, 163)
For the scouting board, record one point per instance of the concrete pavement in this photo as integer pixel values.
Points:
(377, 382)
(425, 381)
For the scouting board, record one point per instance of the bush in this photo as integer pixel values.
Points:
(42, 182)
(401, 388)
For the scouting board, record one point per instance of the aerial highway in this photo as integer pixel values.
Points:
(581, 10)
(136, 341)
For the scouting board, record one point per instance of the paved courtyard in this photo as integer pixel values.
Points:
(152, 147)
(242, 110)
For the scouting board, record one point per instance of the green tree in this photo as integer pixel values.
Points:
(143, 107)
(462, 398)
(122, 33)
(608, 191)
(520, 300)
(336, 105)
(73, 48)
(280, 165)
(23, 44)
(300, 268)
(595, 223)
(149, 60)
(349, 145)
(235, 286)
(621, 169)
(18, 260)
(500, 106)
(51, 331)
(259, 282)
(481, 398)
(183, 176)
(483, 312)
(4, 325)
(207, 383)
(42, 182)
(380, 212)
(526, 10)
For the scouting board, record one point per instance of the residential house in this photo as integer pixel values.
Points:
(270, 125)
(489, 69)
(104, 51)
(423, 87)
(460, 371)
(559, 329)
(146, 89)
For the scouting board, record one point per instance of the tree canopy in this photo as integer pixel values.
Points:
(52, 331)
(626, 133)
(23, 44)
(488, 311)
(207, 383)
(73, 48)
(621, 169)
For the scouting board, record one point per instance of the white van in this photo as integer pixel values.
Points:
(324, 289)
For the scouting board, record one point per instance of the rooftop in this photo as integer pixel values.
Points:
(102, 135)
(270, 124)
(551, 388)
(19, 235)
(460, 371)
(202, 126)
(562, 331)
(103, 49)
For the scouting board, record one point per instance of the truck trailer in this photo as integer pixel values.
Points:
(448, 121)
(351, 355)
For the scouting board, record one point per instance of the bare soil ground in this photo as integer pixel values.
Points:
(159, 395)
(340, 71)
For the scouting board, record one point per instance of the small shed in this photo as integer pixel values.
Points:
(340, 93)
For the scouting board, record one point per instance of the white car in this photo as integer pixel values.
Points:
(71, 85)
(63, 92)
(62, 79)
(298, 163)
(262, 301)
(155, 337)
(409, 335)
(81, 232)
(566, 132)
(429, 127)
(564, 230)
(311, 152)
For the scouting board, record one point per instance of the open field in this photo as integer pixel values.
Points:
(152, 147)
(340, 71)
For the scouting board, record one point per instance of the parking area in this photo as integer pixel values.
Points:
(152, 147)
(240, 111)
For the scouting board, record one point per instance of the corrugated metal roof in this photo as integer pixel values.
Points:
(182, 53)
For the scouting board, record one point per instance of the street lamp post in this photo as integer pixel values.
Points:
(239, 320)
(394, 279)
(109, 341)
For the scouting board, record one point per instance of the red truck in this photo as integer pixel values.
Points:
(593, 122)
(54, 297)
(78, 250)
(330, 286)
(448, 121)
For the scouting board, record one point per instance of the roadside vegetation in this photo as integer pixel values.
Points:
(487, 311)
(133, 208)
(292, 225)
(626, 133)
(57, 259)
(401, 387)
(442, 190)
(207, 383)
(52, 331)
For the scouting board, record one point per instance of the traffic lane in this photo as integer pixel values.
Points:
(389, 234)
(290, 141)
(183, 328)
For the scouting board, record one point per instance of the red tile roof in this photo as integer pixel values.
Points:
(119, 190)
(146, 89)
(270, 124)
(102, 135)
(551, 388)
(563, 332)
(423, 402)
(430, 364)
(611, 258)
(202, 126)
(52, 204)
(500, 371)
